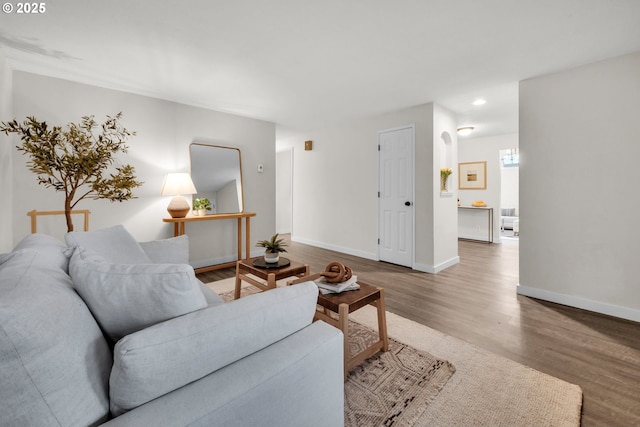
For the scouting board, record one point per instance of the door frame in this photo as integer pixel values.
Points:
(411, 126)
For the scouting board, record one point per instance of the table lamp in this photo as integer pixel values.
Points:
(176, 184)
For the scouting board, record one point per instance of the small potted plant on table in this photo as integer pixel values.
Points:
(273, 247)
(201, 206)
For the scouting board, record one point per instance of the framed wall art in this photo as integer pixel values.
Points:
(472, 176)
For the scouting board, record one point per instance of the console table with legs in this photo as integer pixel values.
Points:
(179, 230)
(483, 209)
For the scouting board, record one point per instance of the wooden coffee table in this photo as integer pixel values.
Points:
(347, 302)
(265, 278)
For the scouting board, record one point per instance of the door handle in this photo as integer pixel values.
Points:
(407, 203)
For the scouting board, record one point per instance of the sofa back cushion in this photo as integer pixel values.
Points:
(54, 360)
(53, 252)
(174, 250)
(115, 244)
(508, 212)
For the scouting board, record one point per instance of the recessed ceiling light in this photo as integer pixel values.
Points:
(479, 101)
(465, 131)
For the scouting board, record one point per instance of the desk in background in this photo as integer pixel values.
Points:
(489, 212)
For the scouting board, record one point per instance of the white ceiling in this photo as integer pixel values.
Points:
(306, 64)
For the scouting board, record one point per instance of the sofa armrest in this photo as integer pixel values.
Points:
(166, 356)
(297, 381)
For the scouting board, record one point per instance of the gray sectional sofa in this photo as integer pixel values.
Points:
(103, 330)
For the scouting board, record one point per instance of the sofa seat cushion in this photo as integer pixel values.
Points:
(169, 355)
(54, 360)
(125, 298)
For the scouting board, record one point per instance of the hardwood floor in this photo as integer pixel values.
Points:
(476, 301)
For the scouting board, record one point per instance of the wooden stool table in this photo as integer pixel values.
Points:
(347, 302)
(269, 275)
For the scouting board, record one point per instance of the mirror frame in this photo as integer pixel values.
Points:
(203, 144)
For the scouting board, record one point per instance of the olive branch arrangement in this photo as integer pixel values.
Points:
(76, 160)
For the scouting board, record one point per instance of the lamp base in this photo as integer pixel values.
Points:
(178, 208)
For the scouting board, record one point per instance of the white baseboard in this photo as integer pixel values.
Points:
(437, 268)
(420, 267)
(444, 265)
(482, 238)
(341, 249)
(199, 263)
(582, 303)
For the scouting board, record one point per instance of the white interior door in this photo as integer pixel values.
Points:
(396, 194)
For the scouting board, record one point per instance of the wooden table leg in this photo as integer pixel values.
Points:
(236, 292)
(383, 340)
(247, 233)
(271, 281)
(240, 238)
(343, 322)
(382, 322)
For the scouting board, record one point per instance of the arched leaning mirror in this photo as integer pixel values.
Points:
(217, 175)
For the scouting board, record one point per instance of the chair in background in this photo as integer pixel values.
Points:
(34, 214)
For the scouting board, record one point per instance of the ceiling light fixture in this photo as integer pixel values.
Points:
(465, 131)
(479, 101)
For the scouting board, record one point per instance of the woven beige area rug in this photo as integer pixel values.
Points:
(392, 388)
(485, 390)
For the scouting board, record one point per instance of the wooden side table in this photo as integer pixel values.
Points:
(348, 302)
(269, 276)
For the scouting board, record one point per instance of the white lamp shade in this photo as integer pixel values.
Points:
(178, 183)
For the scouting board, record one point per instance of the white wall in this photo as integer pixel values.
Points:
(445, 215)
(6, 188)
(164, 132)
(472, 223)
(335, 185)
(284, 190)
(579, 198)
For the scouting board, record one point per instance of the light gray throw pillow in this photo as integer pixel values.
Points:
(169, 355)
(115, 244)
(125, 298)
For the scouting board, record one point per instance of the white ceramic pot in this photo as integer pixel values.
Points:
(271, 258)
(201, 212)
